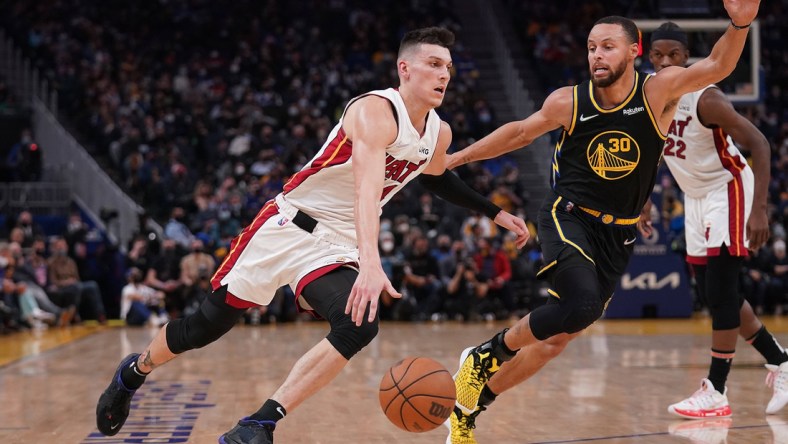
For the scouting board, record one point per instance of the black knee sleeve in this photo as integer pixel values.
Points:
(722, 290)
(700, 282)
(349, 339)
(214, 318)
(328, 295)
(579, 304)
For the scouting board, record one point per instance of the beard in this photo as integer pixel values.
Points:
(615, 74)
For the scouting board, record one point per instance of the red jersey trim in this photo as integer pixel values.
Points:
(241, 241)
(732, 164)
(736, 223)
(336, 153)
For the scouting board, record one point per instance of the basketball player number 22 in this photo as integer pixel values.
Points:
(679, 145)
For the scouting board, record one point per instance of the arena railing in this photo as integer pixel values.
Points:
(64, 158)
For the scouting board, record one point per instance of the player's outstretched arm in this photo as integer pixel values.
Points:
(556, 112)
(369, 124)
(673, 82)
(446, 185)
(716, 110)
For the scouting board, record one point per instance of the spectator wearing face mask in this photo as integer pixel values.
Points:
(392, 262)
(140, 304)
(64, 278)
(29, 228)
(197, 268)
(177, 230)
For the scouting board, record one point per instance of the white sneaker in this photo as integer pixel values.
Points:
(777, 379)
(707, 402)
(706, 431)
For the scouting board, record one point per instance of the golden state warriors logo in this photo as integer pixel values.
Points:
(613, 155)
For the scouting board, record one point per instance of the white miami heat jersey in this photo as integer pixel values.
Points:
(701, 159)
(325, 187)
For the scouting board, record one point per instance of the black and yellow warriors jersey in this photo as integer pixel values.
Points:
(607, 160)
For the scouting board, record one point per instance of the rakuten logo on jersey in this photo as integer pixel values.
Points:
(635, 110)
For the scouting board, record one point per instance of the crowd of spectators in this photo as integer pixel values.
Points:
(52, 280)
(202, 110)
(187, 97)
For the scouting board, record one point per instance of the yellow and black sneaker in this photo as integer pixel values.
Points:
(477, 365)
(461, 426)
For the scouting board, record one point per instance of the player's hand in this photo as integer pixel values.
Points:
(514, 224)
(742, 12)
(757, 229)
(371, 281)
(644, 224)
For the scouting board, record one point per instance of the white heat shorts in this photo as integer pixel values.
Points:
(272, 251)
(719, 218)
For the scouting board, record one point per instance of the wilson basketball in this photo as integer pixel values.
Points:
(417, 394)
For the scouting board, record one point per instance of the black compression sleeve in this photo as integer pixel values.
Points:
(449, 187)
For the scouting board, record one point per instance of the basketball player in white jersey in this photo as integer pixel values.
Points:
(320, 236)
(725, 214)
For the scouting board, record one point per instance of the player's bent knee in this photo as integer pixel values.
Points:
(206, 325)
(583, 314)
(349, 339)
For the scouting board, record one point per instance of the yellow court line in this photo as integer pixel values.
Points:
(16, 346)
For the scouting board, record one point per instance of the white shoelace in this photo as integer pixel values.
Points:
(704, 398)
(777, 379)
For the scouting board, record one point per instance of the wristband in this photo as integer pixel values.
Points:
(737, 27)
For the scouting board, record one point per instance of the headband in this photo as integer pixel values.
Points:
(669, 34)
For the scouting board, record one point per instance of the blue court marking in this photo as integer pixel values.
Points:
(161, 412)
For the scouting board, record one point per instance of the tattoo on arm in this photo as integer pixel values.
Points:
(147, 361)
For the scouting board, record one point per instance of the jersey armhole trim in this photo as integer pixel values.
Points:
(650, 112)
(574, 110)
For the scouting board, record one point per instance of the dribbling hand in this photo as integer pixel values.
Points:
(370, 283)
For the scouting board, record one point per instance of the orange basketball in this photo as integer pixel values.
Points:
(417, 394)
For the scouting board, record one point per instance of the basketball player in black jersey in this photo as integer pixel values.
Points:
(603, 171)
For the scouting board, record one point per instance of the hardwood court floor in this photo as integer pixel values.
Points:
(612, 385)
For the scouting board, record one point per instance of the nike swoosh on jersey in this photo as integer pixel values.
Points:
(584, 118)
(630, 241)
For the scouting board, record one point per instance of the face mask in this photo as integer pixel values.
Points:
(387, 246)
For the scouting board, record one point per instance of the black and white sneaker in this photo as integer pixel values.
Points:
(113, 405)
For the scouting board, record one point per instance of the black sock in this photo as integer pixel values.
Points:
(270, 411)
(487, 397)
(132, 377)
(720, 367)
(768, 347)
(499, 348)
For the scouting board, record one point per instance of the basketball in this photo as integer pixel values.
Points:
(417, 394)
